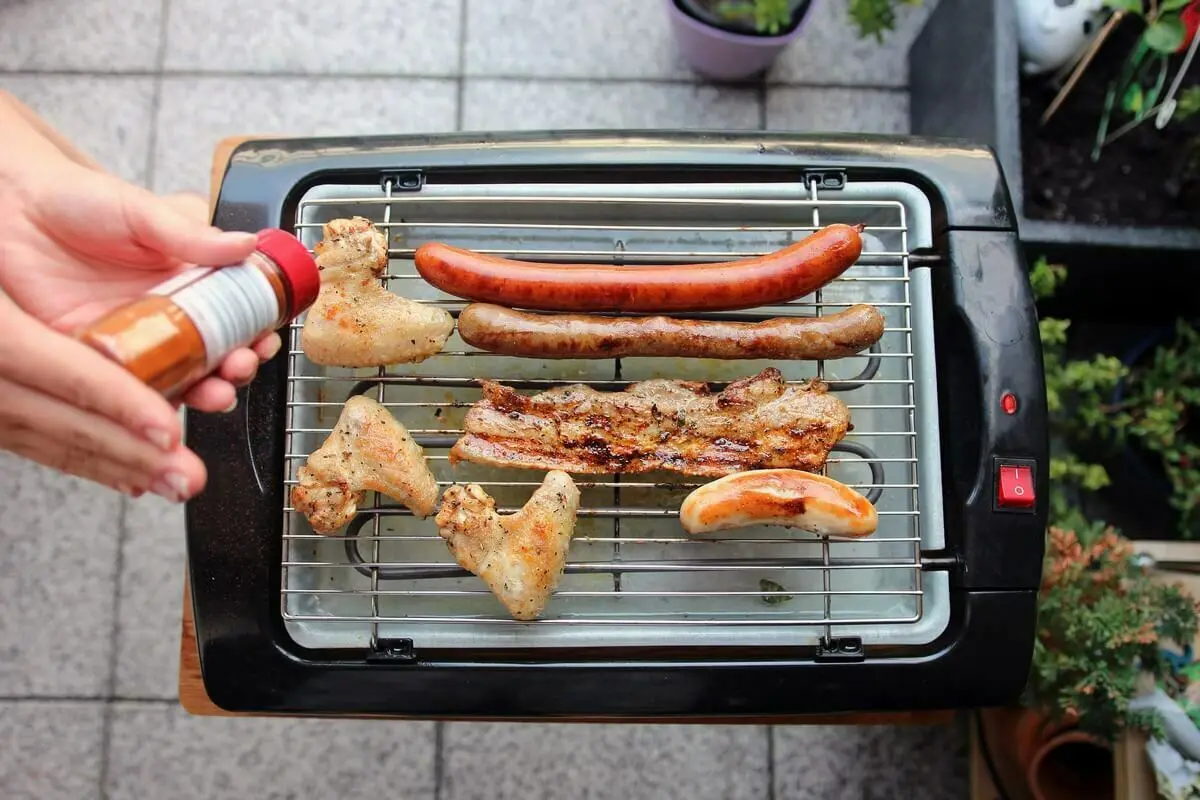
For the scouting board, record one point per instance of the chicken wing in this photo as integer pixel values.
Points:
(355, 321)
(367, 450)
(520, 556)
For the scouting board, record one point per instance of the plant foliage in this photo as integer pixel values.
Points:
(764, 16)
(1101, 619)
(876, 17)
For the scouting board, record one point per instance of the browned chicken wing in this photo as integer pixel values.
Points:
(355, 322)
(367, 450)
(520, 556)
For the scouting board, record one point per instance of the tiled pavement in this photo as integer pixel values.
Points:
(90, 584)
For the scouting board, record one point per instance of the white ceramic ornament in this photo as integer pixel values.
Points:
(1049, 32)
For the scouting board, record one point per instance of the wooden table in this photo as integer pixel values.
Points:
(194, 698)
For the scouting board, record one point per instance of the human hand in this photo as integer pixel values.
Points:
(79, 243)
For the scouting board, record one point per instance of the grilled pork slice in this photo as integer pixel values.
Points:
(787, 497)
(521, 556)
(367, 450)
(355, 322)
(754, 423)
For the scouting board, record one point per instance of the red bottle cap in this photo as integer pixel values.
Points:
(298, 267)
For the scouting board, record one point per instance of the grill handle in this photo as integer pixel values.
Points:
(988, 345)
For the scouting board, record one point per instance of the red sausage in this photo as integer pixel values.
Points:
(777, 277)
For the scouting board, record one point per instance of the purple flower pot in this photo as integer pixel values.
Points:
(722, 55)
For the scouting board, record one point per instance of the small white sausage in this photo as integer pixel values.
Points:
(789, 497)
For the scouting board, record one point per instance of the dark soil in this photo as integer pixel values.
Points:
(1147, 177)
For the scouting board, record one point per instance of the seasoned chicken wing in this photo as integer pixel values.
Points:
(367, 450)
(520, 556)
(355, 322)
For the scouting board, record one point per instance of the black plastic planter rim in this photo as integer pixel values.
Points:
(798, 16)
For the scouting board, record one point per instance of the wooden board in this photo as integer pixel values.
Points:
(194, 698)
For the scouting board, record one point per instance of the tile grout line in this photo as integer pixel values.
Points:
(106, 723)
(461, 88)
(84, 698)
(439, 758)
(770, 762)
(447, 77)
(160, 59)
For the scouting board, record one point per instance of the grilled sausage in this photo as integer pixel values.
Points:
(786, 274)
(787, 497)
(518, 333)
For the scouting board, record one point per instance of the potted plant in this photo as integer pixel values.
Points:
(1102, 623)
(731, 40)
(1098, 170)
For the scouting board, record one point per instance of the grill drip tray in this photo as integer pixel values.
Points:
(634, 577)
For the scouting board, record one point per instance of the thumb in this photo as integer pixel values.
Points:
(160, 225)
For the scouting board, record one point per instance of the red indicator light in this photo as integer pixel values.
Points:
(1008, 401)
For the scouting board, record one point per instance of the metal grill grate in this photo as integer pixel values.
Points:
(632, 571)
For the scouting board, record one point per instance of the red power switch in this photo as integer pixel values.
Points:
(1016, 487)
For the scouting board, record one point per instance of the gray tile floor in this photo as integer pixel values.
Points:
(90, 584)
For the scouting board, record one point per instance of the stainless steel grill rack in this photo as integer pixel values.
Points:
(632, 571)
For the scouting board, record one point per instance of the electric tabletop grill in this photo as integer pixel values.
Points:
(935, 610)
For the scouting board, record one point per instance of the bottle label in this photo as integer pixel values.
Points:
(230, 307)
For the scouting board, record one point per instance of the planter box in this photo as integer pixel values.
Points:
(965, 82)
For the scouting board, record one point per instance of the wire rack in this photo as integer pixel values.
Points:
(633, 575)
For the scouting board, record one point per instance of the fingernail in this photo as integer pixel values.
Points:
(267, 356)
(231, 406)
(172, 486)
(159, 438)
(241, 237)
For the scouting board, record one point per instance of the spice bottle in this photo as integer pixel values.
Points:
(181, 330)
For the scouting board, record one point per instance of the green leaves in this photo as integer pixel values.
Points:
(1163, 396)
(1101, 616)
(1187, 103)
(1100, 620)
(1046, 277)
(1165, 35)
(1130, 6)
(876, 17)
(1172, 5)
(1132, 102)
(766, 16)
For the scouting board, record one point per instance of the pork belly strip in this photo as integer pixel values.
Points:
(758, 422)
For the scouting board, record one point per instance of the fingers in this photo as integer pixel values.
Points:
(212, 395)
(174, 229)
(58, 456)
(58, 366)
(267, 346)
(189, 204)
(218, 392)
(77, 442)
